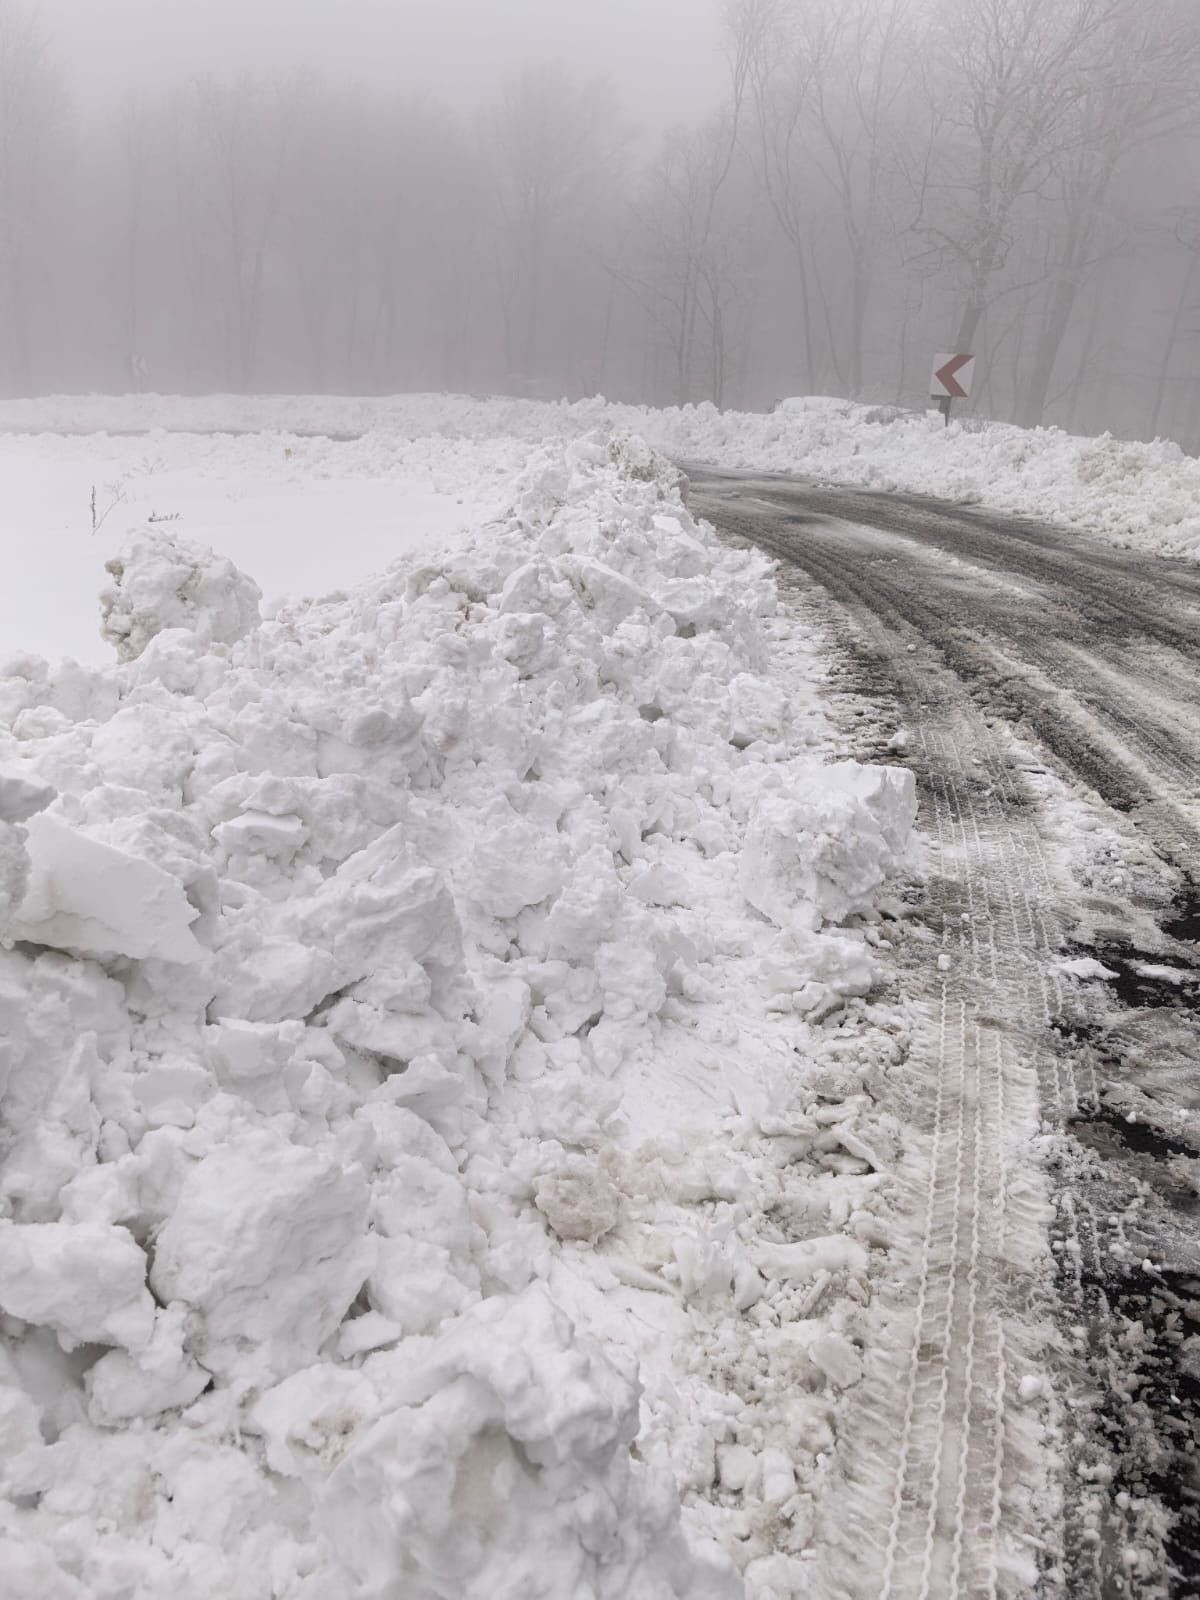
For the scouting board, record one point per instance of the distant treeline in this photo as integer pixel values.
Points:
(885, 179)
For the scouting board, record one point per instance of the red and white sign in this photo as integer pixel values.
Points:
(952, 377)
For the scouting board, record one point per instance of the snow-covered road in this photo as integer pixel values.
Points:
(1052, 717)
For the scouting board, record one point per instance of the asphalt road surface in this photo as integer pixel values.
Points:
(1033, 670)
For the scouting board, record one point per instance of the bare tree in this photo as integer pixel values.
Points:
(690, 254)
(830, 79)
(32, 115)
(1004, 81)
(1185, 231)
(246, 138)
(551, 146)
(782, 69)
(1144, 86)
(129, 221)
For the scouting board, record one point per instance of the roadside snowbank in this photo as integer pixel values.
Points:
(414, 1084)
(1136, 494)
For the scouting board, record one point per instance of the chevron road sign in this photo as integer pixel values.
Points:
(952, 377)
(951, 381)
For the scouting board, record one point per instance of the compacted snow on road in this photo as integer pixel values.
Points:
(1046, 686)
(446, 1028)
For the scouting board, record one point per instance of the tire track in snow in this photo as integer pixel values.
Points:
(953, 1449)
(941, 1393)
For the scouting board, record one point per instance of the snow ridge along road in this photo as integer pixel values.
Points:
(441, 1023)
(1007, 1319)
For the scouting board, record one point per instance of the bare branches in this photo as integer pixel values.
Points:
(32, 114)
(881, 178)
(553, 149)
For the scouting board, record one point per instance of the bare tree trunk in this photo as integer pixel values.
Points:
(602, 370)
(861, 283)
(968, 325)
(827, 317)
(533, 308)
(1064, 295)
(1089, 344)
(22, 361)
(1164, 368)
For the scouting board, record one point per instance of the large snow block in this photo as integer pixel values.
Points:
(818, 850)
(86, 1280)
(86, 895)
(268, 1244)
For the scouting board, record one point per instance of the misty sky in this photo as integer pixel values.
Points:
(664, 54)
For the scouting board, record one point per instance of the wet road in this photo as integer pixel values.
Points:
(1093, 651)
(1028, 663)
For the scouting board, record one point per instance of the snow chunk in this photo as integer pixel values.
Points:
(513, 868)
(837, 1359)
(413, 1287)
(31, 1573)
(14, 874)
(1086, 967)
(778, 1477)
(161, 581)
(820, 849)
(86, 895)
(22, 796)
(806, 1257)
(1162, 974)
(268, 1244)
(505, 1470)
(577, 1200)
(158, 1378)
(308, 1419)
(634, 458)
(736, 1466)
(85, 1280)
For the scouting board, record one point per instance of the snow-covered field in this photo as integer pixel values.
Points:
(438, 1026)
(304, 516)
(1141, 495)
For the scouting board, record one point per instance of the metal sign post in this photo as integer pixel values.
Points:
(951, 380)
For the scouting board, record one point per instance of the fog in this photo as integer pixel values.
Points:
(660, 200)
(453, 50)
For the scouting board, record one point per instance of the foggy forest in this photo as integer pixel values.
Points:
(881, 180)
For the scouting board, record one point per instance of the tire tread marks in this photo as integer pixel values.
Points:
(946, 1493)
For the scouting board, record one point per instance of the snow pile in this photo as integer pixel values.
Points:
(164, 582)
(348, 954)
(1132, 493)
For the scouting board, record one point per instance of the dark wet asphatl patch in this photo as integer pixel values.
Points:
(1184, 922)
(1160, 1384)
(1132, 1163)
(1143, 980)
(1124, 1130)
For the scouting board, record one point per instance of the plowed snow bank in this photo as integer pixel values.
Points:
(1145, 495)
(406, 1014)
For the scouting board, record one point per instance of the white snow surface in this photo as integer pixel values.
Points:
(426, 1169)
(299, 516)
(1144, 495)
